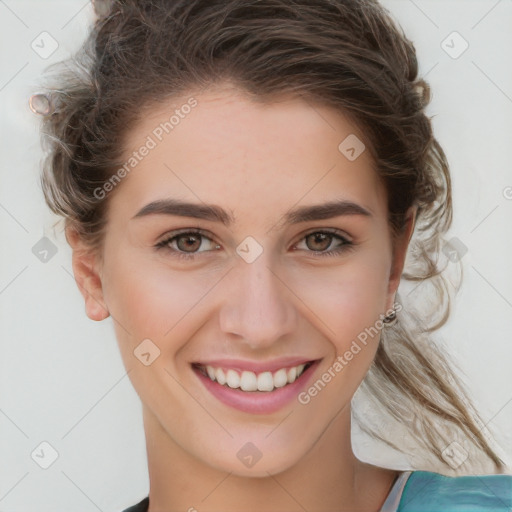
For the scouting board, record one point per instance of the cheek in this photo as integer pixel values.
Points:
(347, 307)
(151, 299)
(348, 298)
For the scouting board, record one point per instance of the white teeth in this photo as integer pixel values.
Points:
(292, 374)
(232, 379)
(249, 381)
(280, 378)
(211, 372)
(265, 382)
(219, 376)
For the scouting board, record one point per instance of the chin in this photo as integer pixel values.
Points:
(257, 458)
(261, 469)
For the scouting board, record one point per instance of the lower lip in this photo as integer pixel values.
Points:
(257, 402)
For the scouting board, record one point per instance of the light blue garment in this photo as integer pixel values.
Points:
(425, 491)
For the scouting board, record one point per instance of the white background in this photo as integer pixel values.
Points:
(61, 377)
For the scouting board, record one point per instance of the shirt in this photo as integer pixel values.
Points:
(426, 491)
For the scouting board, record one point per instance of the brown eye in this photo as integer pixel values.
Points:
(319, 241)
(188, 242)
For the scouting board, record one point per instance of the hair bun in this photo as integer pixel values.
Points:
(102, 8)
(40, 104)
(422, 89)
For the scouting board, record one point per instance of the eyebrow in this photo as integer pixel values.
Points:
(215, 213)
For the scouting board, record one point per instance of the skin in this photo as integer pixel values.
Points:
(256, 161)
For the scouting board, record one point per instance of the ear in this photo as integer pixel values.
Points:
(86, 266)
(400, 252)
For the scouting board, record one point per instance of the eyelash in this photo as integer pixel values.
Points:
(164, 244)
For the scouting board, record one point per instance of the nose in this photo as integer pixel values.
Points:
(258, 306)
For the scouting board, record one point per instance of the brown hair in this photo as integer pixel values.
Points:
(347, 54)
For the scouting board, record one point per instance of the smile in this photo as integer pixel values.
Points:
(267, 389)
(250, 381)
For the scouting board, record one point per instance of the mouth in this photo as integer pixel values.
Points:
(256, 392)
(250, 381)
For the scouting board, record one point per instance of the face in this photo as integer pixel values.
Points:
(245, 246)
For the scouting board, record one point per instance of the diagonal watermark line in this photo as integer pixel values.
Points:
(75, 15)
(331, 421)
(414, 289)
(199, 403)
(431, 69)
(72, 428)
(305, 99)
(12, 12)
(286, 491)
(491, 490)
(5, 495)
(194, 305)
(492, 211)
(492, 286)
(280, 423)
(13, 279)
(217, 486)
(497, 413)
(93, 298)
(13, 217)
(484, 426)
(14, 76)
(486, 14)
(81, 491)
(424, 13)
(301, 300)
(13, 423)
(491, 80)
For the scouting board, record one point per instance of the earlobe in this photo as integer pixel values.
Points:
(87, 276)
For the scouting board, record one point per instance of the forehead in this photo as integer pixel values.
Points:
(222, 147)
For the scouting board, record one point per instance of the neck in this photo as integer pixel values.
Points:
(326, 478)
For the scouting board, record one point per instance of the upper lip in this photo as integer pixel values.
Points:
(256, 366)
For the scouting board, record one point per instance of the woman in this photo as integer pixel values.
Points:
(242, 183)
